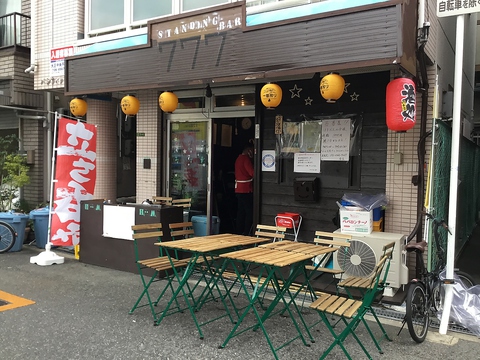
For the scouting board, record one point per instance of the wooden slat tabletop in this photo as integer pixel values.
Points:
(212, 242)
(299, 247)
(273, 256)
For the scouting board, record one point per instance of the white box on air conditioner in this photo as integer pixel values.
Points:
(355, 220)
(398, 272)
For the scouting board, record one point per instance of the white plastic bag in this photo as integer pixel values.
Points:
(465, 309)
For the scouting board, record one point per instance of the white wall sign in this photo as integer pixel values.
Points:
(57, 59)
(118, 221)
(451, 8)
(268, 160)
(307, 163)
(336, 140)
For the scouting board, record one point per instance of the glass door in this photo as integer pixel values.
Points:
(188, 175)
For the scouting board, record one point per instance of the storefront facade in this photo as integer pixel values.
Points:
(180, 58)
(217, 60)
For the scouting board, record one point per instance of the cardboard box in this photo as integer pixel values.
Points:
(354, 220)
(378, 225)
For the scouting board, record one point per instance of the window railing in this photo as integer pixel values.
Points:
(15, 30)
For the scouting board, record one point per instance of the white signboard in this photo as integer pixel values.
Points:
(307, 163)
(57, 59)
(336, 140)
(268, 160)
(118, 221)
(453, 7)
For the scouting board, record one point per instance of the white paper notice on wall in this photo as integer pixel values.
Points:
(307, 163)
(118, 221)
(336, 140)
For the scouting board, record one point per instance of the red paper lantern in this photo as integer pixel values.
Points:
(401, 104)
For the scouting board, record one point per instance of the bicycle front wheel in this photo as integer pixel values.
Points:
(7, 237)
(417, 312)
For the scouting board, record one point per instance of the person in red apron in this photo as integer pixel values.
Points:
(244, 190)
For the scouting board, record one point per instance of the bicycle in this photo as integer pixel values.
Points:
(425, 294)
(8, 236)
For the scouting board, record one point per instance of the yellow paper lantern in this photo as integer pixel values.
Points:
(168, 101)
(130, 105)
(78, 107)
(271, 95)
(332, 87)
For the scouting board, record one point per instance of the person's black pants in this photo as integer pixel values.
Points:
(244, 213)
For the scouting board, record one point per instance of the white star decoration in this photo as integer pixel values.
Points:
(295, 91)
(308, 101)
(345, 90)
(354, 96)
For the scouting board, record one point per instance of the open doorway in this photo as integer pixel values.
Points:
(228, 139)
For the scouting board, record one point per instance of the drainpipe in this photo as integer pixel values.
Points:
(33, 38)
(423, 82)
(423, 85)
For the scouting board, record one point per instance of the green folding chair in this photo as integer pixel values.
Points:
(351, 311)
(360, 285)
(320, 265)
(151, 268)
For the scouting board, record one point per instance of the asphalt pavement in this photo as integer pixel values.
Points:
(80, 311)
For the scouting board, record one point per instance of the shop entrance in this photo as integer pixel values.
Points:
(202, 147)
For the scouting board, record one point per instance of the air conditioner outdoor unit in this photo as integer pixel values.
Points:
(364, 252)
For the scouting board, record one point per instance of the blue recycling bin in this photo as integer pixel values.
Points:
(40, 224)
(199, 223)
(19, 222)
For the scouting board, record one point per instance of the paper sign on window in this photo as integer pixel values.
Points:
(336, 140)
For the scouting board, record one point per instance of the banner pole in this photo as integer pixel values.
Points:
(48, 257)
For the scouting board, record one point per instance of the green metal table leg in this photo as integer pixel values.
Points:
(182, 281)
(281, 291)
(257, 291)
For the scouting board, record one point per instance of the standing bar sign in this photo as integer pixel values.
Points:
(182, 27)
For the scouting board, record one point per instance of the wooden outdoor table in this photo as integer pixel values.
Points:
(272, 258)
(205, 248)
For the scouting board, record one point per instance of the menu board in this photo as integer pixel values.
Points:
(335, 140)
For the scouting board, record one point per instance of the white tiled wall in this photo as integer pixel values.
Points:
(401, 213)
(59, 23)
(148, 145)
(402, 208)
(103, 115)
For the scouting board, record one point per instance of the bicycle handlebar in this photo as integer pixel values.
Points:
(437, 222)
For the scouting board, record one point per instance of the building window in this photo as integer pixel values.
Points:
(104, 17)
(105, 14)
(189, 5)
(147, 9)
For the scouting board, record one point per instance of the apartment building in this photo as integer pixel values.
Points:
(19, 101)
